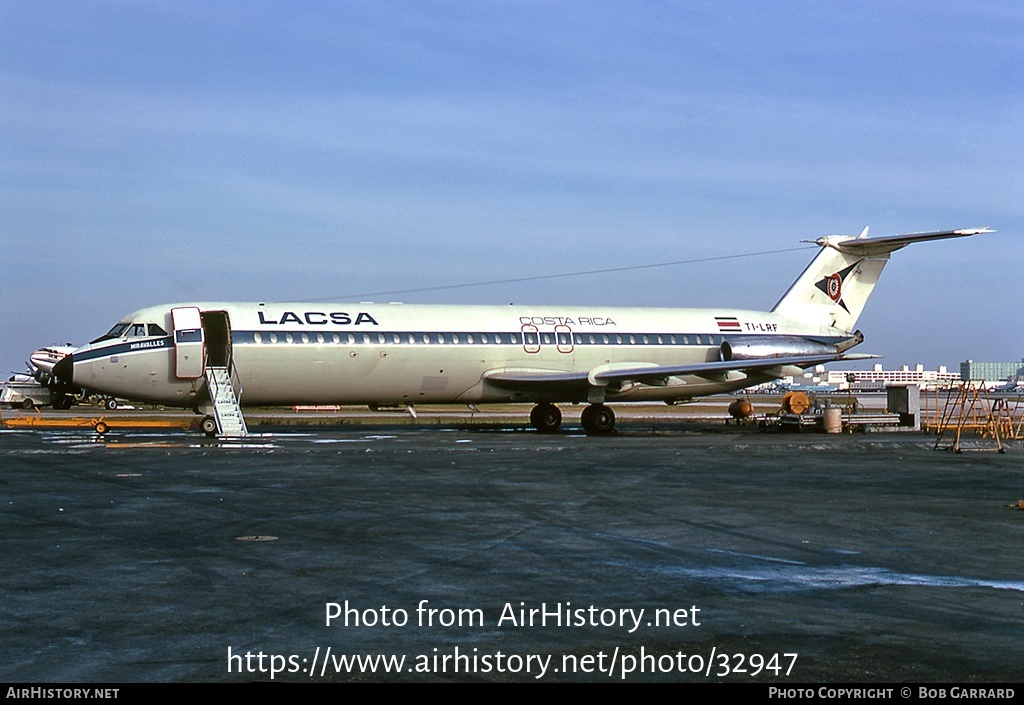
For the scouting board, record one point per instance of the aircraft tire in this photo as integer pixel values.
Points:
(208, 426)
(546, 418)
(110, 403)
(598, 420)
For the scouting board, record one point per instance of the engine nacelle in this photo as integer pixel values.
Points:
(767, 347)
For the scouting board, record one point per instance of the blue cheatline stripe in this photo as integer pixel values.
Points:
(515, 339)
(134, 346)
(420, 338)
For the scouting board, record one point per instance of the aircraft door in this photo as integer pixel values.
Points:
(217, 333)
(188, 342)
(563, 339)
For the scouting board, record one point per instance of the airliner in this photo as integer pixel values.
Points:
(215, 357)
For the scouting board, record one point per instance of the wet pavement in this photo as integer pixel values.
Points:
(753, 557)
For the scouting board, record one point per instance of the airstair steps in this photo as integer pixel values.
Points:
(226, 409)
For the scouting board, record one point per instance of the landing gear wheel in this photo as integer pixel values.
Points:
(546, 418)
(110, 404)
(208, 426)
(598, 420)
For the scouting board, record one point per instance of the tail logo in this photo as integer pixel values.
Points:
(832, 285)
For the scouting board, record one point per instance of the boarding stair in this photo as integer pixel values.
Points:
(226, 409)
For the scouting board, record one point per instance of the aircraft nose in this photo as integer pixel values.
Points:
(64, 370)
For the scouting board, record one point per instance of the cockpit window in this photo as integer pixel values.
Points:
(116, 332)
(131, 330)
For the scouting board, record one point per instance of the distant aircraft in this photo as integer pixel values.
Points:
(216, 357)
(41, 362)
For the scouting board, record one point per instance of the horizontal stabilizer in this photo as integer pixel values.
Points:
(890, 243)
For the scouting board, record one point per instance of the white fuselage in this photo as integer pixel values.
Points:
(411, 354)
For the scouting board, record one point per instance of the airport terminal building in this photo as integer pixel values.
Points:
(877, 378)
(993, 371)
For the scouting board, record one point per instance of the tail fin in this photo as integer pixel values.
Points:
(834, 288)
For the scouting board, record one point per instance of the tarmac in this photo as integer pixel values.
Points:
(670, 551)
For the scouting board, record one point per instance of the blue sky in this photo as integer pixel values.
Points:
(171, 151)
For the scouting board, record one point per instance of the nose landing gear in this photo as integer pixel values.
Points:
(208, 426)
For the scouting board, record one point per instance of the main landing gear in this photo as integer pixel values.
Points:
(546, 418)
(597, 419)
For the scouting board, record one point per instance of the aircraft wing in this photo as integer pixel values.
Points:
(534, 379)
